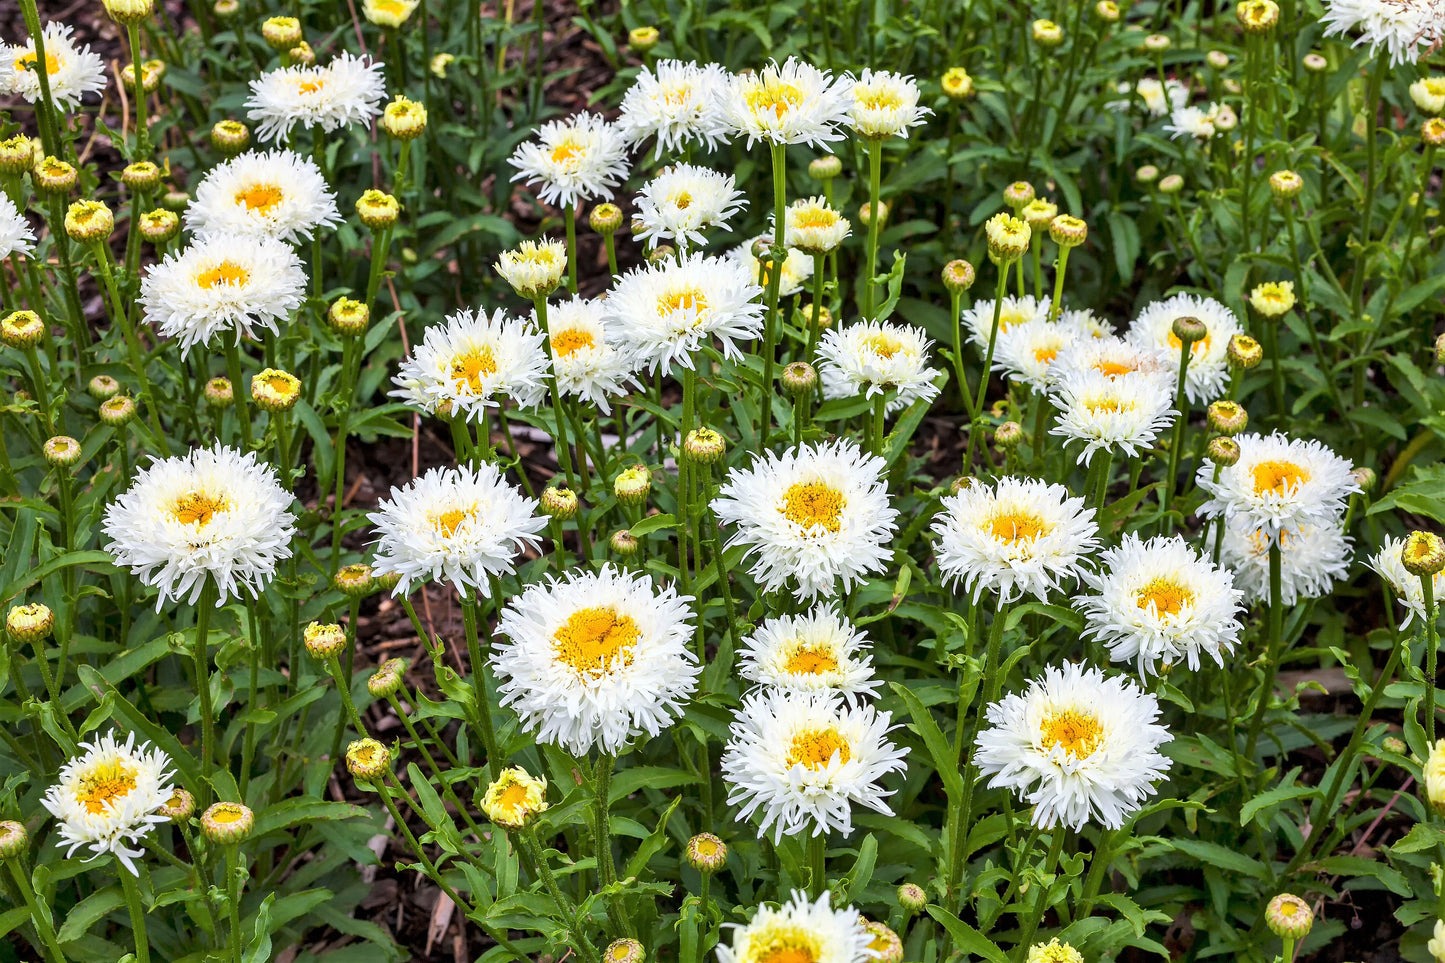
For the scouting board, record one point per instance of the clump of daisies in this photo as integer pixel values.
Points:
(1112, 414)
(1313, 557)
(109, 796)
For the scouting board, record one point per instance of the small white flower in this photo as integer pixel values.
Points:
(678, 103)
(795, 103)
(348, 90)
(1208, 359)
(1278, 485)
(812, 227)
(873, 357)
(1405, 584)
(977, 319)
(108, 796)
(1158, 99)
(588, 361)
(573, 160)
(1110, 413)
(473, 362)
(1110, 356)
(72, 71)
(683, 200)
(797, 266)
(1312, 559)
(1402, 27)
(818, 651)
(276, 193)
(885, 105)
(1193, 122)
(16, 237)
(533, 268)
(800, 931)
(1026, 352)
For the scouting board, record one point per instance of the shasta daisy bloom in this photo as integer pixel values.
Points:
(1026, 352)
(1278, 485)
(388, 13)
(1020, 535)
(665, 312)
(1312, 559)
(885, 105)
(534, 269)
(797, 267)
(348, 90)
(1108, 355)
(805, 759)
(1195, 122)
(474, 361)
(1076, 746)
(800, 930)
(72, 71)
(276, 193)
(223, 285)
(1160, 602)
(110, 796)
(817, 514)
(1406, 585)
(978, 318)
(1158, 99)
(1208, 358)
(1428, 93)
(596, 659)
(1113, 414)
(873, 357)
(818, 651)
(463, 525)
(683, 200)
(573, 160)
(792, 103)
(678, 103)
(812, 227)
(586, 358)
(211, 512)
(1402, 27)
(16, 237)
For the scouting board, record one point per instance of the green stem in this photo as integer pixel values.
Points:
(234, 873)
(201, 656)
(39, 918)
(570, 214)
(1058, 301)
(817, 864)
(137, 913)
(1181, 404)
(132, 343)
(606, 872)
(1432, 643)
(142, 122)
(564, 905)
(974, 423)
(778, 254)
(875, 187)
(1276, 622)
(238, 392)
(470, 619)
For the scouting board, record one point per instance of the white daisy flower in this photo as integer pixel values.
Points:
(533, 268)
(108, 796)
(1312, 559)
(885, 105)
(587, 359)
(1113, 414)
(1195, 122)
(388, 13)
(666, 312)
(1405, 584)
(1026, 351)
(977, 319)
(573, 160)
(211, 512)
(1159, 99)
(1160, 602)
(682, 201)
(1076, 746)
(795, 103)
(16, 236)
(1278, 485)
(463, 525)
(812, 227)
(678, 103)
(1208, 359)
(474, 362)
(818, 651)
(223, 285)
(594, 660)
(1110, 356)
(805, 759)
(800, 931)
(817, 514)
(1401, 27)
(348, 90)
(871, 357)
(1020, 535)
(1086, 322)
(277, 193)
(73, 71)
(797, 266)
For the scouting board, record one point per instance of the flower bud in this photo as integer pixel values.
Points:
(1047, 34)
(1393, 744)
(643, 39)
(961, 483)
(179, 807)
(54, 176)
(117, 411)
(1039, 213)
(386, 581)
(128, 12)
(1189, 330)
(227, 823)
(1068, 231)
(140, 176)
(1008, 238)
(1008, 435)
(1432, 132)
(958, 276)
(230, 137)
(439, 64)
(957, 84)
(404, 119)
(706, 853)
(367, 759)
(14, 840)
(387, 679)
(1054, 951)
(152, 72)
(29, 623)
(324, 640)
(825, 168)
(377, 210)
(1147, 174)
(885, 945)
(302, 55)
(1172, 184)
(1217, 59)
(799, 379)
(17, 155)
(22, 329)
(275, 390)
(218, 393)
(1244, 353)
(1107, 11)
(159, 226)
(811, 317)
(533, 269)
(605, 218)
(633, 485)
(1285, 184)
(1223, 451)
(1257, 16)
(89, 221)
(348, 318)
(281, 33)
(1440, 349)
(558, 502)
(226, 9)
(1273, 299)
(102, 387)
(1314, 63)
(1227, 418)
(704, 446)
(1365, 478)
(62, 451)
(1433, 775)
(175, 201)
(865, 214)
(661, 253)
(1423, 553)
(1017, 194)
(623, 543)
(625, 950)
(354, 581)
(1157, 43)
(1288, 915)
(515, 799)
(912, 898)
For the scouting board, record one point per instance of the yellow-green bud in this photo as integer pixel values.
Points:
(643, 39)
(661, 253)
(1257, 16)
(625, 950)
(814, 316)
(1171, 184)
(1423, 553)
(957, 84)
(28, 624)
(1047, 34)
(704, 446)
(404, 119)
(302, 55)
(1107, 11)
(219, 393)
(865, 213)
(62, 451)
(1147, 174)
(1244, 353)
(558, 502)
(89, 221)
(885, 944)
(275, 390)
(623, 543)
(17, 155)
(1365, 478)
(1018, 194)
(230, 137)
(1314, 63)
(958, 276)
(281, 33)
(706, 853)
(102, 387)
(377, 210)
(14, 840)
(1039, 213)
(1008, 238)
(605, 218)
(141, 176)
(1068, 231)
(1288, 915)
(439, 64)
(354, 581)
(128, 12)
(1285, 184)
(367, 759)
(152, 72)
(22, 329)
(1189, 330)
(1223, 451)
(179, 807)
(1432, 131)
(1227, 417)
(1008, 435)
(825, 168)
(227, 823)
(633, 485)
(226, 9)
(799, 379)
(52, 175)
(175, 201)
(1217, 59)
(387, 679)
(324, 640)
(1440, 349)
(159, 226)
(1156, 43)
(348, 318)
(117, 411)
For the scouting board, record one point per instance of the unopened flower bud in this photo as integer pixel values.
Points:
(912, 898)
(128, 12)
(28, 624)
(957, 84)
(1288, 915)
(1008, 435)
(625, 950)
(643, 39)
(633, 485)
(1285, 184)
(558, 502)
(704, 446)
(1047, 34)
(281, 33)
(1244, 353)
(1008, 238)
(1227, 418)
(1172, 184)
(885, 945)
(179, 807)
(865, 213)
(230, 137)
(54, 176)
(1223, 451)
(367, 759)
(1147, 174)
(159, 226)
(1039, 213)
(102, 387)
(62, 451)
(706, 853)
(89, 221)
(141, 176)
(226, 9)
(14, 840)
(1189, 330)
(152, 72)
(1423, 553)
(354, 581)
(814, 316)
(515, 798)
(324, 640)
(17, 155)
(117, 411)
(1393, 744)
(1365, 478)
(1440, 349)
(1068, 231)
(825, 168)
(799, 379)
(961, 483)
(275, 390)
(1157, 43)
(348, 318)
(302, 55)
(1432, 131)
(958, 276)
(377, 209)
(175, 201)
(605, 218)
(387, 679)
(227, 823)
(1433, 776)
(1017, 194)
(219, 393)
(623, 543)
(1257, 16)
(22, 329)
(1217, 59)
(404, 119)
(386, 581)
(1314, 63)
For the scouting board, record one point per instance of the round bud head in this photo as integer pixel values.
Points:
(152, 72)
(633, 485)
(1288, 915)
(825, 168)
(1285, 184)
(799, 379)
(367, 759)
(89, 221)
(811, 316)
(912, 898)
(387, 581)
(1432, 131)
(354, 581)
(1314, 63)
(660, 253)
(1227, 418)
(324, 640)
(404, 119)
(1225, 118)
(175, 201)
(558, 502)
(1393, 744)
(1017, 194)
(387, 679)
(1008, 435)
(29, 623)
(1068, 231)
(1047, 34)
(1223, 451)
(1156, 43)
(762, 249)
(275, 390)
(1365, 478)
(623, 543)
(961, 483)
(218, 393)
(128, 12)
(226, 9)
(957, 84)
(1423, 553)
(227, 823)
(643, 39)
(440, 63)
(302, 55)
(1189, 330)
(22, 329)
(605, 218)
(1039, 213)
(179, 807)
(515, 798)
(230, 137)
(62, 451)
(1107, 11)
(1147, 174)
(159, 226)
(1172, 184)
(625, 950)
(102, 387)
(54, 176)
(1217, 59)
(17, 155)
(1257, 16)
(865, 213)
(377, 210)
(1008, 238)
(281, 33)
(348, 318)
(14, 840)
(885, 944)
(704, 446)
(1244, 353)
(141, 176)
(117, 411)
(706, 853)
(958, 276)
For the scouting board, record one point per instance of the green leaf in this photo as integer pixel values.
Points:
(945, 761)
(89, 911)
(966, 938)
(291, 812)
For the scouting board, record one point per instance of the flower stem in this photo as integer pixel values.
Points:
(470, 618)
(983, 378)
(817, 864)
(875, 187)
(137, 913)
(39, 917)
(1432, 642)
(570, 214)
(770, 320)
(1181, 404)
(1276, 623)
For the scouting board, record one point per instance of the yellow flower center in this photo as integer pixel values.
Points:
(879, 99)
(569, 341)
(309, 87)
(568, 155)
(1045, 355)
(470, 367)
(198, 508)
(593, 641)
(814, 505)
(882, 344)
(816, 217)
(1017, 526)
(786, 943)
(393, 7)
(684, 299)
(1078, 732)
(449, 521)
(260, 197)
(1166, 595)
(677, 96)
(775, 97)
(813, 748)
(811, 660)
(226, 815)
(1108, 406)
(28, 61)
(1280, 477)
(227, 272)
(705, 847)
(682, 201)
(104, 784)
(1116, 368)
(512, 797)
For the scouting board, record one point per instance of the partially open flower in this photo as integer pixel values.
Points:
(558, 502)
(367, 759)
(22, 329)
(377, 210)
(643, 39)
(281, 33)
(706, 853)
(354, 581)
(515, 798)
(324, 640)
(14, 840)
(62, 451)
(275, 390)
(141, 176)
(1289, 916)
(404, 119)
(29, 623)
(159, 226)
(957, 84)
(227, 822)
(1008, 238)
(179, 807)
(88, 221)
(1423, 553)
